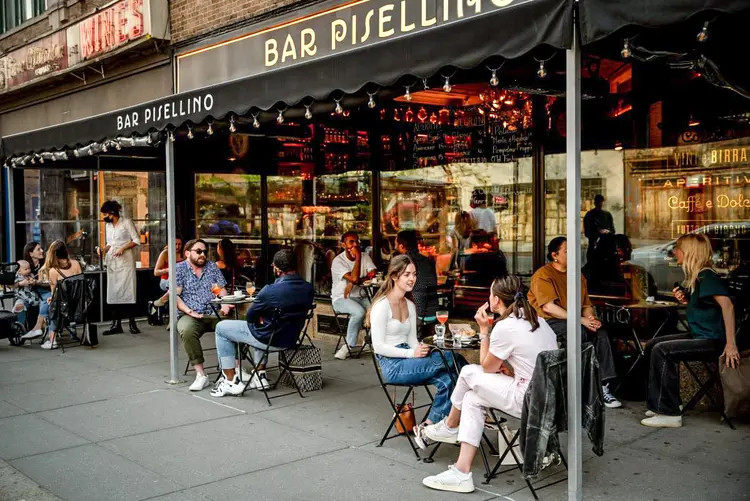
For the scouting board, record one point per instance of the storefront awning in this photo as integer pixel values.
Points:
(601, 18)
(339, 49)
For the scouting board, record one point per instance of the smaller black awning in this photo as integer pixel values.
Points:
(601, 18)
(485, 28)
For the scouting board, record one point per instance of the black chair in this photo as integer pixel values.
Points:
(280, 319)
(393, 406)
(69, 309)
(341, 333)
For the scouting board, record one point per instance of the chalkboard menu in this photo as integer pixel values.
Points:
(504, 145)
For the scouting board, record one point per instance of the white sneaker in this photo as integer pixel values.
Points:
(343, 353)
(451, 480)
(439, 432)
(246, 376)
(47, 345)
(419, 436)
(652, 413)
(609, 400)
(33, 334)
(227, 387)
(201, 381)
(258, 381)
(662, 421)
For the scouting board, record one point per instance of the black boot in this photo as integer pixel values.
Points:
(134, 327)
(115, 328)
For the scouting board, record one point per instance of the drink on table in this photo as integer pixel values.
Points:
(442, 317)
(216, 289)
(250, 288)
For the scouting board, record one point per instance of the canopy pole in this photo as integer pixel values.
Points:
(10, 214)
(573, 207)
(174, 378)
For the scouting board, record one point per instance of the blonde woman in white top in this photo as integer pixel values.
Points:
(517, 339)
(393, 327)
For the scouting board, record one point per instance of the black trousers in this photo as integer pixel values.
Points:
(120, 311)
(600, 340)
(664, 355)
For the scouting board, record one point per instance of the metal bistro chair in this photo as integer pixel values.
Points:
(341, 333)
(280, 319)
(69, 308)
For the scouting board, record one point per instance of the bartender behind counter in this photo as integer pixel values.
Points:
(120, 255)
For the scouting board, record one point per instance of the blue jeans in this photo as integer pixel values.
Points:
(231, 332)
(427, 370)
(356, 308)
(43, 306)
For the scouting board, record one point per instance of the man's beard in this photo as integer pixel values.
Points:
(200, 262)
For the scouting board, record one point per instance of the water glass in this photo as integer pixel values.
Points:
(439, 333)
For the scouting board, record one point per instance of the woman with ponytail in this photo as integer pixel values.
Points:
(517, 339)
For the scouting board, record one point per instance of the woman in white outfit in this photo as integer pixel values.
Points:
(516, 340)
(120, 256)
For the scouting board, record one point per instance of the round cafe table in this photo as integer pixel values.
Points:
(450, 345)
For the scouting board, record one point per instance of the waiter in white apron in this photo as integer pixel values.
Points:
(119, 255)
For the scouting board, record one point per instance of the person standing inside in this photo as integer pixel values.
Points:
(425, 288)
(119, 255)
(597, 222)
(347, 270)
(484, 217)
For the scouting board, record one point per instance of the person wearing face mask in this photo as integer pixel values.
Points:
(119, 256)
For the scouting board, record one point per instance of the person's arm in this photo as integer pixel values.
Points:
(378, 319)
(489, 362)
(353, 276)
(555, 310)
(186, 309)
(162, 264)
(732, 356)
(413, 340)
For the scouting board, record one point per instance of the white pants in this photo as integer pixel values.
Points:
(477, 390)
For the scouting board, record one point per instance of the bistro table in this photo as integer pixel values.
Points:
(218, 302)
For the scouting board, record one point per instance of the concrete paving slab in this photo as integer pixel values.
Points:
(28, 434)
(7, 409)
(54, 367)
(346, 475)
(92, 473)
(184, 495)
(133, 414)
(156, 372)
(206, 452)
(15, 486)
(75, 389)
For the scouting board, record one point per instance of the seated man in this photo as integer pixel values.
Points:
(291, 294)
(425, 288)
(196, 276)
(347, 269)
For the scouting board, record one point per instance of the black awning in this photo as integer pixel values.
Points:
(600, 18)
(507, 28)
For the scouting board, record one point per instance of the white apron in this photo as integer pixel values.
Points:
(121, 284)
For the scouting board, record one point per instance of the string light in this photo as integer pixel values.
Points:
(118, 147)
(494, 81)
(256, 123)
(232, 127)
(33, 160)
(447, 85)
(190, 134)
(425, 84)
(542, 71)
(104, 147)
(703, 34)
(308, 113)
(171, 136)
(41, 159)
(76, 153)
(339, 109)
(407, 96)
(371, 102)
(618, 146)
(210, 130)
(280, 118)
(625, 52)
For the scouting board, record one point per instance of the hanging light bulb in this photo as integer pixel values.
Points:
(371, 102)
(91, 151)
(33, 160)
(339, 109)
(256, 123)
(447, 85)
(618, 146)
(308, 113)
(210, 130)
(280, 118)
(494, 81)
(171, 136)
(232, 127)
(407, 96)
(425, 84)
(76, 153)
(118, 147)
(542, 71)
(190, 134)
(625, 52)
(41, 160)
(104, 147)
(703, 35)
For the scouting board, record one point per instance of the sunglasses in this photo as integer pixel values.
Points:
(200, 252)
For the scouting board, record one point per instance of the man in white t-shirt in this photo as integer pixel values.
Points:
(347, 270)
(483, 216)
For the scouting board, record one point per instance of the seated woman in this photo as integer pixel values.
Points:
(227, 262)
(517, 339)
(34, 255)
(549, 297)
(162, 270)
(393, 327)
(58, 266)
(710, 316)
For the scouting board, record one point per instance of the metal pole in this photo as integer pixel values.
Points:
(573, 202)
(172, 252)
(10, 214)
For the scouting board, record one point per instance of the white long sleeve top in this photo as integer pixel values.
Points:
(388, 332)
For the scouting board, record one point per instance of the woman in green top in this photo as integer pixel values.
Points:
(710, 315)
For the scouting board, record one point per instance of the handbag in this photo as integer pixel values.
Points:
(406, 415)
(305, 367)
(502, 446)
(736, 386)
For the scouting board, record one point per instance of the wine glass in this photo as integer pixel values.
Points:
(215, 289)
(250, 287)
(442, 317)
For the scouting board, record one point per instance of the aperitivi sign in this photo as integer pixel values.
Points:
(120, 24)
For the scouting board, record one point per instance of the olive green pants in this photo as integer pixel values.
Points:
(191, 330)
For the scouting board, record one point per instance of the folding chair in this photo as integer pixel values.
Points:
(190, 369)
(76, 293)
(341, 333)
(280, 319)
(396, 416)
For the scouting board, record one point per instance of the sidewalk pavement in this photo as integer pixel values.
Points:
(103, 424)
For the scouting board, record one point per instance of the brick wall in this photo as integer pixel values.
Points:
(192, 18)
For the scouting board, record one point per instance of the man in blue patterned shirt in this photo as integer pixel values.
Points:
(195, 277)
